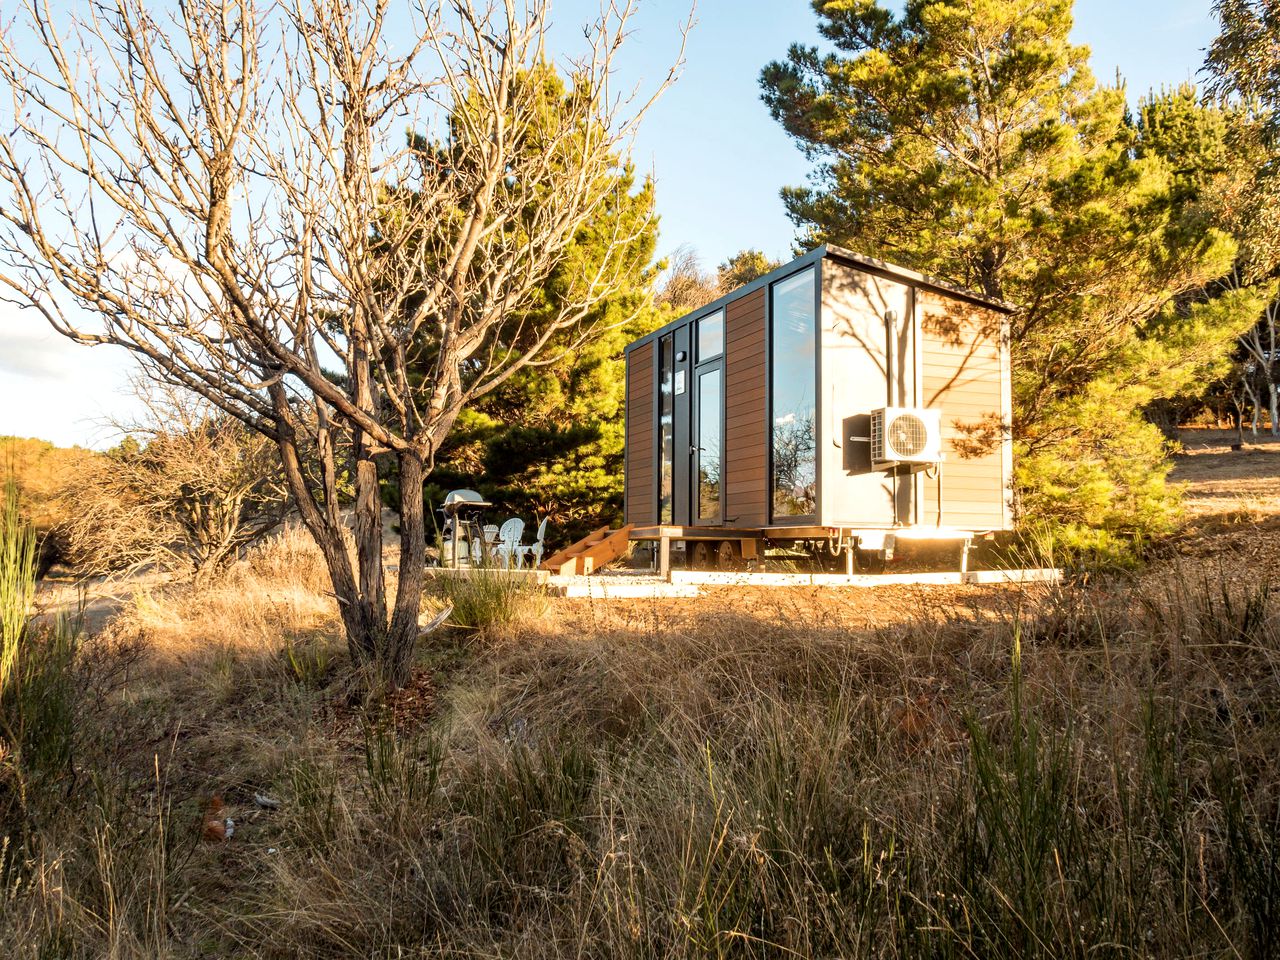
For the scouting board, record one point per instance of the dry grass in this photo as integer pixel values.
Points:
(1078, 771)
(1221, 480)
(1232, 502)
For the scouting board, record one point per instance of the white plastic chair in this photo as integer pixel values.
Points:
(533, 551)
(507, 549)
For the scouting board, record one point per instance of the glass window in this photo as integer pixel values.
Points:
(793, 344)
(711, 336)
(666, 425)
(709, 444)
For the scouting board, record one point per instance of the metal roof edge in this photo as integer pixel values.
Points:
(722, 301)
(917, 278)
(812, 256)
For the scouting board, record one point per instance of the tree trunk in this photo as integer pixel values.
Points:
(363, 630)
(386, 650)
(403, 635)
(372, 598)
(1274, 404)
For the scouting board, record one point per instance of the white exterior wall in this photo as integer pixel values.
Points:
(852, 383)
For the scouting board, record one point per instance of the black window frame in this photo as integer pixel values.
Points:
(716, 365)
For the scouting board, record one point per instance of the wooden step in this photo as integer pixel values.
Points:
(590, 553)
(554, 561)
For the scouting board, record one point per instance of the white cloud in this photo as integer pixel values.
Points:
(58, 390)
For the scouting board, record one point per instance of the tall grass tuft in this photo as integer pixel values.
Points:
(37, 688)
(488, 597)
(17, 582)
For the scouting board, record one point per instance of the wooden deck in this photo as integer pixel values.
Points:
(677, 532)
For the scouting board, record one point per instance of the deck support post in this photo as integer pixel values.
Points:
(964, 558)
(664, 558)
(848, 559)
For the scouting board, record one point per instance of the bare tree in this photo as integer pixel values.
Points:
(685, 285)
(224, 189)
(190, 487)
(1261, 364)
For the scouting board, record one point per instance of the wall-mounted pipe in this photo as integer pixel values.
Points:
(890, 373)
(890, 357)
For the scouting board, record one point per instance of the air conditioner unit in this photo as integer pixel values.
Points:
(905, 435)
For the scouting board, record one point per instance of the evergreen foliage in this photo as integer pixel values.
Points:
(548, 441)
(1244, 59)
(969, 140)
(743, 267)
(1215, 149)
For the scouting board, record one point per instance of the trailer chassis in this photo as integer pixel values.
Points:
(733, 548)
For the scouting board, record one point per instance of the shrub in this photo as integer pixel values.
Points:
(44, 474)
(189, 488)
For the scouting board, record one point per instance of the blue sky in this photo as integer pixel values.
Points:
(718, 158)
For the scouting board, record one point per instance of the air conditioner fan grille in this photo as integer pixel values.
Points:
(908, 435)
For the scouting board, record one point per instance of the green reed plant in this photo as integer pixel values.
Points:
(38, 694)
(308, 660)
(17, 582)
(530, 812)
(37, 675)
(401, 773)
(484, 597)
(1252, 835)
(316, 814)
(1023, 824)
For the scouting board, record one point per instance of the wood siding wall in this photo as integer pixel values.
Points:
(964, 374)
(640, 504)
(746, 440)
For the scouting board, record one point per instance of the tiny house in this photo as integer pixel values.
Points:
(839, 404)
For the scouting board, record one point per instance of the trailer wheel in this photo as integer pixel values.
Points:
(702, 555)
(729, 556)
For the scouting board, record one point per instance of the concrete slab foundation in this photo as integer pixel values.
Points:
(690, 583)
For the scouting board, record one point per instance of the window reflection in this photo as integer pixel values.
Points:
(793, 345)
(709, 444)
(666, 425)
(711, 336)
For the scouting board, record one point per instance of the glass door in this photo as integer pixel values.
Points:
(666, 428)
(708, 440)
(709, 453)
(793, 363)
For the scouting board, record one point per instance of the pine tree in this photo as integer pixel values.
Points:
(743, 267)
(968, 139)
(1214, 150)
(548, 442)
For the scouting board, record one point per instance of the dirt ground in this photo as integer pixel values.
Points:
(1221, 480)
(1232, 503)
